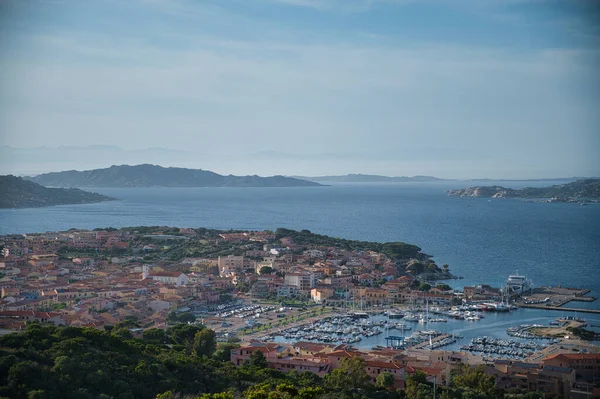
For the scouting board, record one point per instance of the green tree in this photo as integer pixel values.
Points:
(183, 334)
(221, 395)
(349, 375)
(416, 268)
(266, 270)
(417, 387)
(474, 379)
(183, 317)
(121, 332)
(127, 323)
(384, 380)
(223, 353)
(205, 343)
(155, 336)
(186, 317)
(167, 395)
(432, 267)
(424, 287)
(257, 359)
(37, 394)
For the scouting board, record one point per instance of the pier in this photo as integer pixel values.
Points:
(554, 297)
(424, 344)
(548, 307)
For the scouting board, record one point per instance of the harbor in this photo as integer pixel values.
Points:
(379, 331)
(515, 321)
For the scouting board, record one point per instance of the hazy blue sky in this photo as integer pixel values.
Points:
(452, 88)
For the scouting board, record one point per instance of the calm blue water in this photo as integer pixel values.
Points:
(482, 240)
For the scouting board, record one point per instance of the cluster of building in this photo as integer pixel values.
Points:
(567, 375)
(110, 284)
(118, 275)
(110, 277)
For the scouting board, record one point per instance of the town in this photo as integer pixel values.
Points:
(305, 301)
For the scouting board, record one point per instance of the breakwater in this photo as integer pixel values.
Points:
(579, 310)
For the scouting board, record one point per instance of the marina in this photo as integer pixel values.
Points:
(502, 348)
(506, 333)
(514, 321)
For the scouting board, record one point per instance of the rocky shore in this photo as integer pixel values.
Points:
(580, 191)
(429, 271)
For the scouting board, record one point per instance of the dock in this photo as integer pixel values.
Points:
(550, 307)
(554, 297)
(433, 340)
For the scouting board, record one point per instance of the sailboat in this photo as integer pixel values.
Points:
(425, 319)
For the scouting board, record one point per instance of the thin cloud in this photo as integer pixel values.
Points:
(383, 104)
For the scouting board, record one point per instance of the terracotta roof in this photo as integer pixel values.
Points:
(165, 274)
(387, 365)
(343, 353)
(574, 356)
(310, 346)
(430, 370)
(9, 313)
(301, 360)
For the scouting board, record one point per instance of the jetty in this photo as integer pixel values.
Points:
(549, 307)
(549, 297)
(442, 339)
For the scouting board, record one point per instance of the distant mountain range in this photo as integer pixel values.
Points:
(578, 191)
(147, 175)
(360, 178)
(16, 192)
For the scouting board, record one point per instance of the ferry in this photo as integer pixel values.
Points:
(517, 284)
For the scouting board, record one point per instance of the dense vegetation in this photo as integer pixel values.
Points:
(583, 333)
(394, 250)
(157, 176)
(18, 193)
(67, 362)
(207, 247)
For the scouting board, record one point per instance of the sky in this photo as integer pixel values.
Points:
(449, 88)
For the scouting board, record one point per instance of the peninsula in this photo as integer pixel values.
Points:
(147, 175)
(19, 193)
(587, 190)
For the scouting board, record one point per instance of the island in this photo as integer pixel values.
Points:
(16, 192)
(580, 191)
(147, 175)
(365, 178)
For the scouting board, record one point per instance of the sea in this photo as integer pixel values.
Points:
(482, 239)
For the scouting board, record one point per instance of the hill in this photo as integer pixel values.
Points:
(578, 191)
(16, 192)
(157, 176)
(360, 178)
